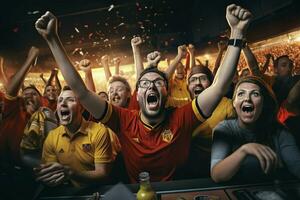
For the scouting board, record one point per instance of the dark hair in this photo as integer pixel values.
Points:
(268, 116)
(66, 87)
(31, 86)
(201, 69)
(152, 69)
(291, 64)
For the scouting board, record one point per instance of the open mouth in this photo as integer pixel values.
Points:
(116, 98)
(65, 114)
(152, 100)
(198, 90)
(248, 108)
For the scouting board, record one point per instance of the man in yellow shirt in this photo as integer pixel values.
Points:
(78, 150)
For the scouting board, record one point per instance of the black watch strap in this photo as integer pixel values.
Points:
(237, 43)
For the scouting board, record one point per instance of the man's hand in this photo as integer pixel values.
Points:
(153, 58)
(238, 19)
(266, 156)
(181, 51)
(84, 65)
(191, 49)
(117, 61)
(46, 25)
(105, 60)
(222, 45)
(136, 42)
(51, 174)
(268, 56)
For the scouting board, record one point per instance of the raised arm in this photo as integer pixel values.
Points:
(181, 52)
(266, 64)
(47, 27)
(137, 57)
(117, 62)
(238, 19)
(3, 75)
(84, 65)
(17, 80)
(43, 79)
(105, 65)
(53, 80)
(221, 48)
(191, 50)
(251, 61)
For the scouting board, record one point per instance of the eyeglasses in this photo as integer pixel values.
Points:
(157, 82)
(200, 78)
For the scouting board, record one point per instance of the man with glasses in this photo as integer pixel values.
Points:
(199, 79)
(156, 139)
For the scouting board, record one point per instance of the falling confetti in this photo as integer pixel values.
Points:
(81, 53)
(91, 35)
(86, 26)
(76, 29)
(106, 40)
(123, 37)
(111, 7)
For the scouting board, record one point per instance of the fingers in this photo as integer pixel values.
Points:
(267, 158)
(136, 41)
(230, 8)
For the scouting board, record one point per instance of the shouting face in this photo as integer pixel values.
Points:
(68, 108)
(197, 83)
(32, 100)
(248, 103)
(152, 94)
(118, 94)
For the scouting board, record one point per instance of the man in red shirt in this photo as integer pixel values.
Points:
(154, 139)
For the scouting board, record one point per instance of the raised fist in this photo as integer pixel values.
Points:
(191, 48)
(238, 18)
(268, 56)
(181, 51)
(136, 41)
(153, 58)
(84, 65)
(104, 60)
(46, 25)
(117, 61)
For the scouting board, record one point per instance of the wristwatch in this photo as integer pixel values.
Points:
(237, 43)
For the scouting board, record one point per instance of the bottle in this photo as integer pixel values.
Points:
(145, 192)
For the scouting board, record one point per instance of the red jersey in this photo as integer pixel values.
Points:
(12, 127)
(133, 104)
(49, 104)
(159, 149)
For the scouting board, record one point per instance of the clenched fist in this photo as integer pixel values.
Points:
(136, 41)
(84, 65)
(238, 19)
(46, 25)
(181, 51)
(153, 58)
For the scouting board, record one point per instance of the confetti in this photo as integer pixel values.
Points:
(91, 35)
(111, 7)
(86, 26)
(76, 29)
(106, 40)
(123, 37)
(81, 53)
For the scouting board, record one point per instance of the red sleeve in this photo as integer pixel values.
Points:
(283, 114)
(118, 119)
(11, 104)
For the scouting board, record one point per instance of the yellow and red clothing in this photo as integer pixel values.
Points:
(157, 149)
